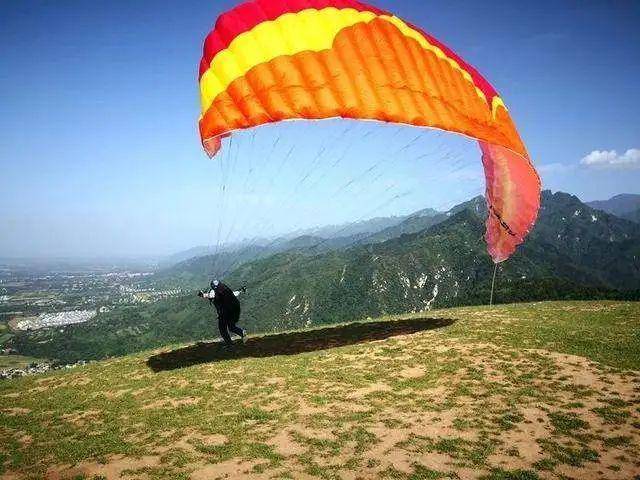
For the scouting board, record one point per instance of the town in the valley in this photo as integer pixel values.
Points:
(36, 296)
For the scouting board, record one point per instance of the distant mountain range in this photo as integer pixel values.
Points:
(347, 233)
(428, 259)
(626, 206)
(193, 270)
(354, 229)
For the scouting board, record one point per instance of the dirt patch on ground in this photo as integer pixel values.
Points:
(308, 409)
(190, 441)
(229, 470)
(284, 444)
(373, 388)
(171, 403)
(79, 381)
(13, 411)
(275, 381)
(24, 438)
(11, 395)
(582, 372)
(114, 468)
(413, 372)
(115, 394)
(82, 418)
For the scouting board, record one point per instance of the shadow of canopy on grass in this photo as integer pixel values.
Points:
(293, 343)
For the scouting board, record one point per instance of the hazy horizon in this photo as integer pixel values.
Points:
(148, 258)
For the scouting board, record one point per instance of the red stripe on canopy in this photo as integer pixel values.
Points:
(247, 16)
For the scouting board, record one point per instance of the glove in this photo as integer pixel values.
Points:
(201, 294)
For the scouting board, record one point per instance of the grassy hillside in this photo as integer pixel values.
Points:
(548, 390)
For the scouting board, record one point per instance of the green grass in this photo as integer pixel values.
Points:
(17, 361)
(612, 414)
(407, 398)
(607, 332)
(570, 455)
(567, 423)
(500, 474)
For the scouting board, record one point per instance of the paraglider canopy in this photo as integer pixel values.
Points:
(268, 61)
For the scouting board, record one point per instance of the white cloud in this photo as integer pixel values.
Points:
(611, 160)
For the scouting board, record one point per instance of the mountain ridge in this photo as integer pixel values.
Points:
(619, 205)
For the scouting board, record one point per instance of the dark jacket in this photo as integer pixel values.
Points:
(225, 301)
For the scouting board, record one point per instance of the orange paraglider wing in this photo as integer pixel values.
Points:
(273, 60)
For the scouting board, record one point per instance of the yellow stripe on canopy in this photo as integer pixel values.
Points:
(292, 33)
(308, 30)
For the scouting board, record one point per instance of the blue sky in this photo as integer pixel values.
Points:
(100, 154)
